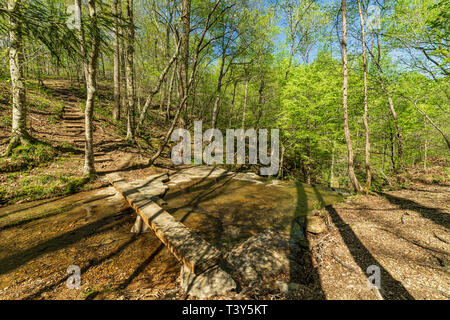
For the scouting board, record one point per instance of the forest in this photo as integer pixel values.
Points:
(359, 92)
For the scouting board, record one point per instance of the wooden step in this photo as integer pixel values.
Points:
(73, 114)
(77, 122)
(72, 118)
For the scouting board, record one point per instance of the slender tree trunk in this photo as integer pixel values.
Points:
(19, 134)
(244, 110)
(122, 56)
(230, 119)
(425, 146)
(433, 124)
(184, 66)
(116, 53)
(390, 102)
(392, 151)
(365, 118)
(169, 94)
(216, 103)
(351, 170)
(129, 73)
(219, 85)
(90, 69)
(260, 100)
(333, 150)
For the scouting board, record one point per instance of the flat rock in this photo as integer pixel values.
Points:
(315, 224)
(197, 172)
(212, 282)
(260, 258)
(248, 176)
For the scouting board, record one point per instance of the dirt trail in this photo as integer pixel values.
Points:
(405, 233)
(111, 152)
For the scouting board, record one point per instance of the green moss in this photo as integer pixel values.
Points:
(27, 157)
(41, 187)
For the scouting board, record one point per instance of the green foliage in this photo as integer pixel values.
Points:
(39, 187)
(28, 156)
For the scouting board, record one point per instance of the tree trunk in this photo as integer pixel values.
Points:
(90, 69)
(351, 170)
(365, 120)
(247, 80)
(433, 124)
(184, 66)
(129, 73)
(116, 53)
(230, 119)
(390, 103)
(333, 150)
(19, 134)
(122, 55)
(169, 94)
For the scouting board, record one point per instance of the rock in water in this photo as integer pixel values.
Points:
(210, 283)
(315, 224)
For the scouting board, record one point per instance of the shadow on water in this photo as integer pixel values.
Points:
(17, 259)
(300, 256)
(91, 264)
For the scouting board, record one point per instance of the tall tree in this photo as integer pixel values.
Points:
(184, 64)
(116, 53)
(365, 120)
(348, 140)
(90, 62)
(129, 72)
(19, 133)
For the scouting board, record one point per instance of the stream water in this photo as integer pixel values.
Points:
(228, 210)
(40, 239)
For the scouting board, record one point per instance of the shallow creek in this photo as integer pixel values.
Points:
(40, 239)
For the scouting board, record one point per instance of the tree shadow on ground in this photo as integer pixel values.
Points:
(391, 289)
(433, 214)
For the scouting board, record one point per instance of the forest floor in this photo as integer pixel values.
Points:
(405, 233)
(52, 164)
